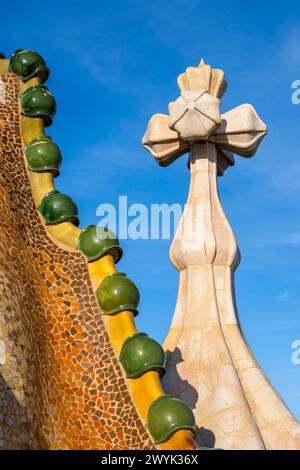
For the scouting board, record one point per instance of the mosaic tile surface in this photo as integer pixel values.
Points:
(61, 385)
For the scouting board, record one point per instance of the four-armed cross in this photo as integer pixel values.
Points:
(195, 117)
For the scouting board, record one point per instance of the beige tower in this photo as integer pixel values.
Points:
(210, 364)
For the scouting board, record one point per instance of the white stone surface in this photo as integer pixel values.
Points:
(2, 353)
(210, 365)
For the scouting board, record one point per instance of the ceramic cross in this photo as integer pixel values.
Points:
(210, 364)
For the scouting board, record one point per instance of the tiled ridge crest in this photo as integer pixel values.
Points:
(117, 296)
(61, 385)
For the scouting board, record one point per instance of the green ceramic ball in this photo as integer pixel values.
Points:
(95, 242)
(57, 208)
(167, 415)
(117, 293)
(141, 354)
(28, 64)
(37, 101)
(43, 155)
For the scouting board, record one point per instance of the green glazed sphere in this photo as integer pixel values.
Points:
(166, 416)
(57, 208)
(28, 64)
(43, 155)
(95, 242)
(37, 101)
(140, 354)
(117, 293)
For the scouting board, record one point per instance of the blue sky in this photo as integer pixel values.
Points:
(113, 65)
